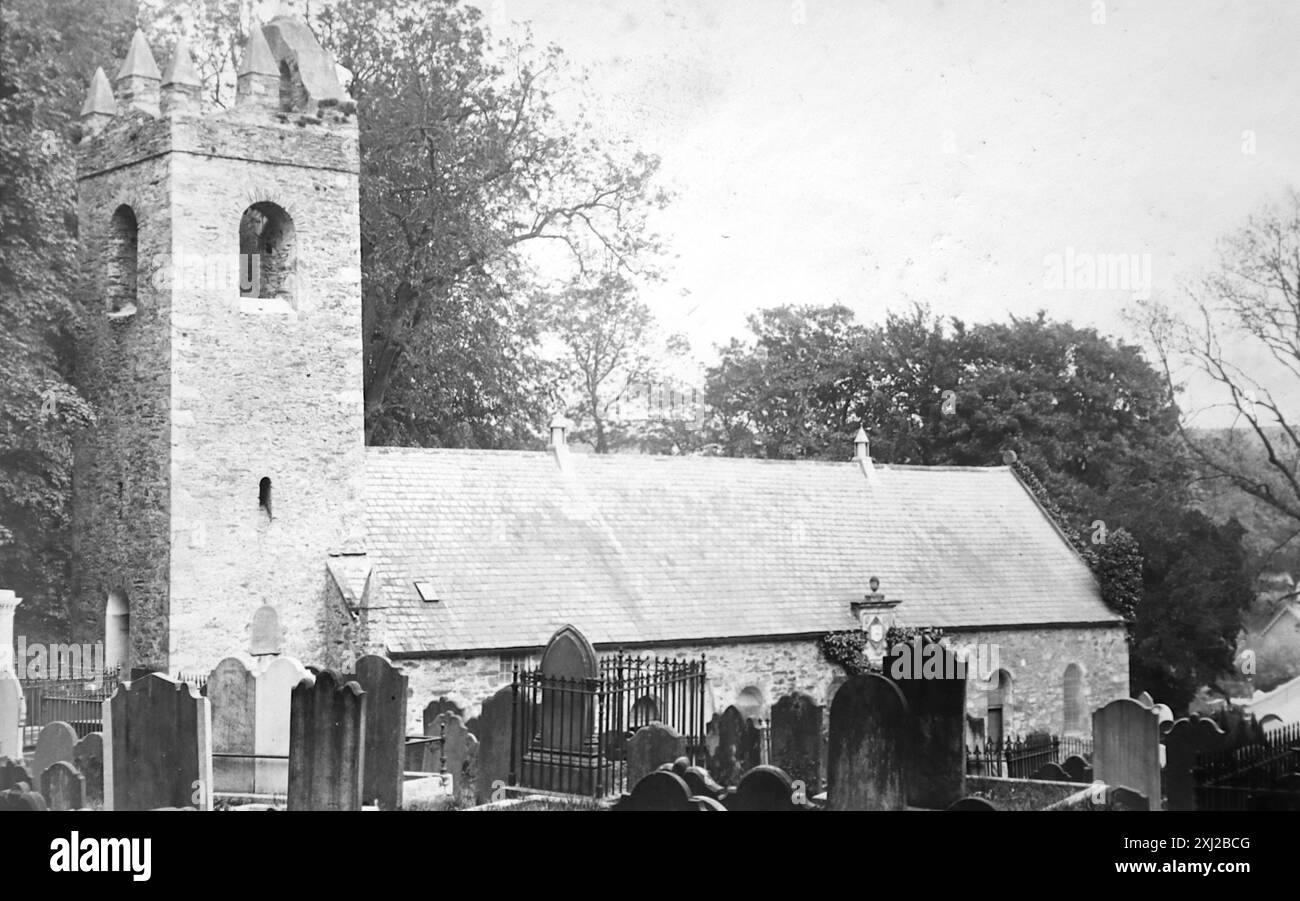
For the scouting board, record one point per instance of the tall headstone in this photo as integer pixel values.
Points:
(386, 687)
(88, 758)
(1126, 748)
(157, 746)
(266, 636)
(276, 681)
(63, 787)
(933, 682)
(866, 754)
(492, 728)
(56, 742)
(327, 744)
(797, 739)
(11, 690)
(459, 750)
(232, 692)
(738, 746)
(1188, 738)
(568, 712)
(650, 747)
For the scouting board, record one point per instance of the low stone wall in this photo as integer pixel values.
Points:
(1020, 794)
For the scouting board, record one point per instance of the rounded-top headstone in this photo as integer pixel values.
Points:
(266, 636)
(57, 741)
(661, 790)
(763, 788)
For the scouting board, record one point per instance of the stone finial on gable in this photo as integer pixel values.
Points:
(100, 107)
(181, 83)
(258, 81)
(136, 84)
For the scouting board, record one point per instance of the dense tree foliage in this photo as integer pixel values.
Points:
(48, 51)
(1090, 422)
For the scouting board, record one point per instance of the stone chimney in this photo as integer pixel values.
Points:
(181, 84)
(862, 455)
(100, 107)
(559, 444)
(137, 81)
(258, 82)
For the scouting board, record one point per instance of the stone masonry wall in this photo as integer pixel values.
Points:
(122, 473)
(1035, 658)
(203, 393)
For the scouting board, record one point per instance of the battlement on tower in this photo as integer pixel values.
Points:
(286, 83)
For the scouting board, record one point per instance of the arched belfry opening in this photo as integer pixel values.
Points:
(267, 252)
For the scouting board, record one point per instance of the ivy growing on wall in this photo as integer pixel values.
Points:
(846, 648)
(1116, 561)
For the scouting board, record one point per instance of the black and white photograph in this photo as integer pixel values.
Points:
(577, 406)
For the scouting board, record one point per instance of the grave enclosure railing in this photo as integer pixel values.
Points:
(77, 702)
(570, 735)
(1259, 776)
(1020, 758)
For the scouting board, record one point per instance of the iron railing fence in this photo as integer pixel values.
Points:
(1263, 775)
(570, 735)
(1019, 758)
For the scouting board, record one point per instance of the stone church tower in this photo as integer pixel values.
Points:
(221, 263)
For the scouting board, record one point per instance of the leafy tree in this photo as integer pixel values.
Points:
(48, 51)
(470, 181)
(610, 337)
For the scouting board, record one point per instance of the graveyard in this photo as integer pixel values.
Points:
(266, 732)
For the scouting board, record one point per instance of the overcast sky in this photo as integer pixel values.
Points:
(876, 153)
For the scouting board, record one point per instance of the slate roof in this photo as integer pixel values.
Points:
(637, 549)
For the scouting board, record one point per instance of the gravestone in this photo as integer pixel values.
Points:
(700, 783)
(63, 787)
(157, 746)
(1124, 798)
(763, 788)
(326, 744)
(972, 804)
(492, 729)
(88, 758)
(386, 689)
(1051, 772)
(796, 736)
(266, 636)
(568, 713)
(21, 797)
(738, 747)
(866, 754)
(440, 706)
(704, 802)
(1146, 700)
(13, 772)
(659, 790)
(11, 701)
(276, 681)
(1077, 769)
(231, 690)
(1126, 747)
(55, 743)
(1185, 740)
(936, 749)
(460, 749)
(651, 747)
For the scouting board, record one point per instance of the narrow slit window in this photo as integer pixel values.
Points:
(123, 261)
(264, 496)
